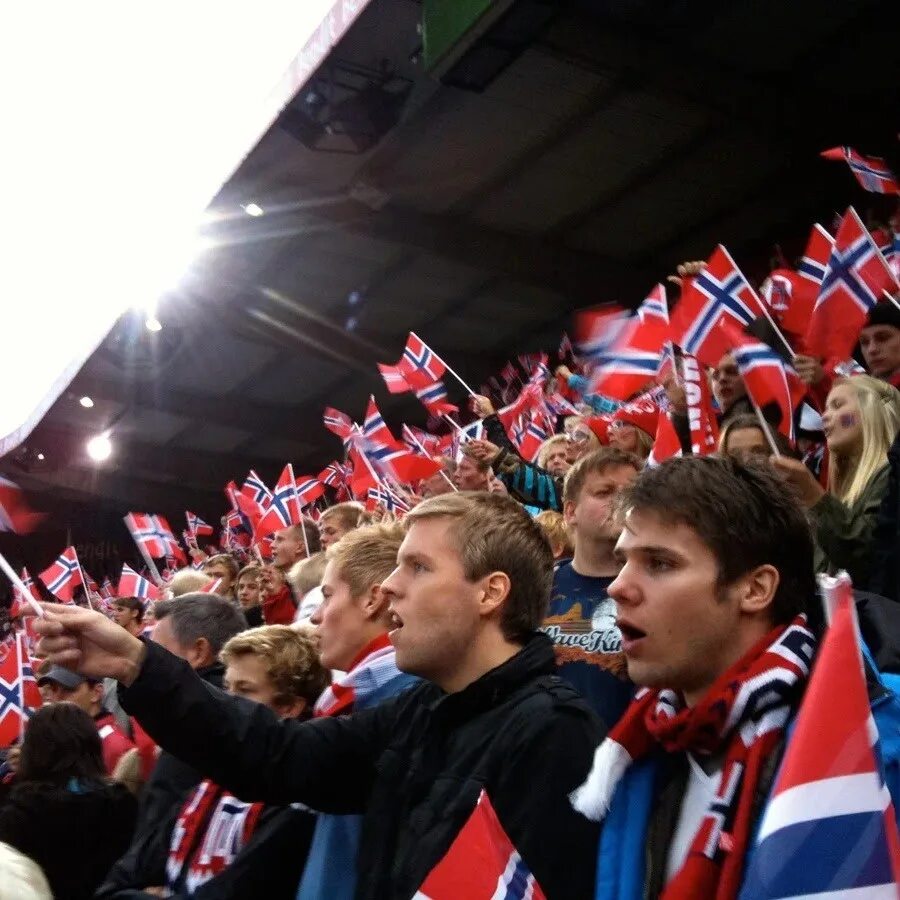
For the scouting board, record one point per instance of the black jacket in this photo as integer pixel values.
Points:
(73, 836)
(269, 866)
(172, 780)
(414, 765)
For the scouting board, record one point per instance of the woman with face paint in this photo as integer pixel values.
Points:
(860, 420)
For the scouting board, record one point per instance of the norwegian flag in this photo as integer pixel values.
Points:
(481, 862)
(131, 584)
(530, 398)
(632, 358)
(19, 694)
(871, 171)
(377, 451)
(814, 263)
(829, 829)
(420, 365)
(434, 399)
(600, 330)
(63, 576)
(509, 373)
(148, 533)
(107, 591)
(767, 378)
(196, 525)
(256, 489)
(566, 350)
(655, 307)
(309, 489)
(394, 380)
(15, 513)
(559, 405)
(667, 444)
(283, 509)
(421, 441)
(337, 422)
(892, 255)
(335, 474)
(383, 496)
(20, 604)
(529, 361)
(528, 436)
(248, 511)
(720, 292)
(855, 278)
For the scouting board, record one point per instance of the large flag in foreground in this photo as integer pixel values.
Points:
(829, 829)
(481, 863)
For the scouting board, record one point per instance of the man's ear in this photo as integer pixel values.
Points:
(756, 589)
(201, 654)
(292, 710)
(569, 512)
(374, 601)
(496, 587)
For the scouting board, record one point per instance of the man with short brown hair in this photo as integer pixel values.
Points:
(129, 613)
(581, 618)
(469, 590)
(289, 546)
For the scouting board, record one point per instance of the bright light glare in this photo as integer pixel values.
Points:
(153, 324)
(99, 447)
(253, 209)
(40, 457)
(156, 143)
(86, 402)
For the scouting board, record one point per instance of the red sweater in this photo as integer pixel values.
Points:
(280, 608)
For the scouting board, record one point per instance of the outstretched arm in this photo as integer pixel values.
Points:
(328, 764)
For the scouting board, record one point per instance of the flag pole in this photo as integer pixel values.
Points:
(299, 510)
(20, 650)
(777, 330)
(765, 427)
(84, 584)
(18, 583)
(891, 299)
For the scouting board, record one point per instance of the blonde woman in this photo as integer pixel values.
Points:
(861, 420)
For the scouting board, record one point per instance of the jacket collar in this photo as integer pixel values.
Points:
(535, 659)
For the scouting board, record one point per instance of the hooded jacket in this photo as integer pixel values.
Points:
(73, 833)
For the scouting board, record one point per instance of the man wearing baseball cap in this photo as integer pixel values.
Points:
(59, 685)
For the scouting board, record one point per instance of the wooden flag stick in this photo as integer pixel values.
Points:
(765, 428)
(17, 583)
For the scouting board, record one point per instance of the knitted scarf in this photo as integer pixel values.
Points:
(742, 718)
(212, 828)
(375, 665)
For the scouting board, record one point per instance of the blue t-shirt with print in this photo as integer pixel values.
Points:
(582, 624)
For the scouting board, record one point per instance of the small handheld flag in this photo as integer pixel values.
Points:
(482, 862)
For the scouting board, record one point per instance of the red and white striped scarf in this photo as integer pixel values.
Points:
(375, 665)
(741, 717)
(212, 828)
